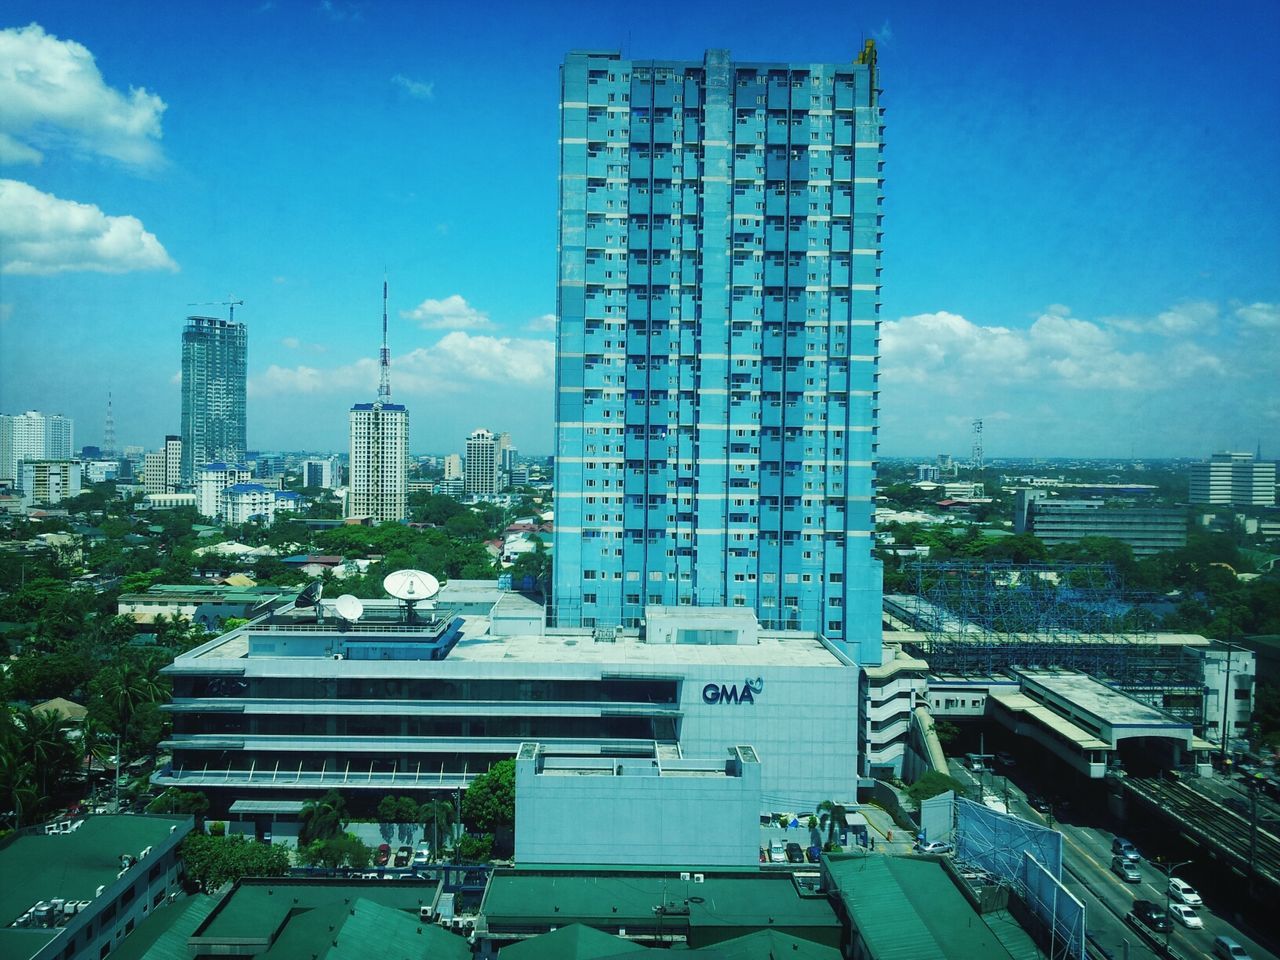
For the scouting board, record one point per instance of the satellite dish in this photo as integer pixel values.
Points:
(412, 586)
(349, 607)
(310, 597)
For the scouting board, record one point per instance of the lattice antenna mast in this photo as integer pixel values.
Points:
(977, 455)
(384, 359)
(109, 430)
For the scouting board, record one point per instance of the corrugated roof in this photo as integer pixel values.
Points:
(574, 942)
(1021, 703)
(164, 935)
(909, 909)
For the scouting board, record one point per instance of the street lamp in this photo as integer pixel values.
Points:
(1168, 876)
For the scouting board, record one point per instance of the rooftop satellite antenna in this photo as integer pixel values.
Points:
(349, 608)
(411, 586)
(310, 596)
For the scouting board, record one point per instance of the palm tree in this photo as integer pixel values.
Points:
(437, 813)
(45, 744)
(833, 812)
(323, 818)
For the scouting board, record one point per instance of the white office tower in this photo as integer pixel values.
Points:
(31, 436)
(482, 463)
(453, 467)
(318, 473)
(1235, 479)
(378, 485)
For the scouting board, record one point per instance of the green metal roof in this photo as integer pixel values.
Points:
(574, 942)
(255, 908)
(69, 866)
(360, 929)
(163, 936)
(910, 909)
(767, 945)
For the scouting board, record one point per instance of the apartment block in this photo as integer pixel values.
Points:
(718, 341)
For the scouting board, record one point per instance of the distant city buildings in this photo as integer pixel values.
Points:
(1147, 530)
(162, 469)
(482, 464)
(214, 364)
(928, 471)
(1233, 479)
(378, 485)
(717, 342)
(242, 502)
(32, 436)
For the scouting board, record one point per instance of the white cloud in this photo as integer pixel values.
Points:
(337, 11)
(1262, 316)
(455, 364)
(293, 343)
(53, 95)
(543, 324)
(451, 313)
(417, 89)
(42, 234)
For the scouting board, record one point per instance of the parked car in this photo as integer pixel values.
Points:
(1185, 916)
(1004, 758)
(795, 853)
(1125, 849)
(1038, 802)
(1152, 915)
(403, 856)
(383, 856)
(1183, 892)
(1126, 870)
(1228, 949)
(777, 852)
(936, 847)
(422, 856)
(814, 854)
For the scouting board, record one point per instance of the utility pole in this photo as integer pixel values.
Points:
(1168, 875)
(1226, 690)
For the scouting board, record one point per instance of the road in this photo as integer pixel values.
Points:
(1107, 898)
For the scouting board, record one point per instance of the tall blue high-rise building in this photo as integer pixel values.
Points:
(717, 341)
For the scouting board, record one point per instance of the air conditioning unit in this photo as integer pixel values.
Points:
(699, 878)
(98, 892)
(145, 851)
(684, 877)
(337, 656)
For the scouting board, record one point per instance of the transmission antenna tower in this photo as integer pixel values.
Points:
(977, 457)
(109, 431)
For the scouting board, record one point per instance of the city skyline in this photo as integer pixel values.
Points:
(1080, 250)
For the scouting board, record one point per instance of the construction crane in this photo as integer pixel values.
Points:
(229, 303)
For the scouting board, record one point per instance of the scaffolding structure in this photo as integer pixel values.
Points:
(980, 618)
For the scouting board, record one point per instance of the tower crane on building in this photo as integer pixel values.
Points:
(229, 303)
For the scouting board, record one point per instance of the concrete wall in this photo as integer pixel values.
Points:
(626, 812)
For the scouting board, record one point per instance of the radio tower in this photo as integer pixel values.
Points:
(976, 457)
(384, 359)
(109, 431)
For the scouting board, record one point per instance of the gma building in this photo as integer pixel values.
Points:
(396, 698)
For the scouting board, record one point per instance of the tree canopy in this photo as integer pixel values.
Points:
(490, 801)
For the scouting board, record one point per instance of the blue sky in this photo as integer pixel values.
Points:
(1082, 240)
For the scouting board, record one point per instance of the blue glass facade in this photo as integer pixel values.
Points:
(717, 341)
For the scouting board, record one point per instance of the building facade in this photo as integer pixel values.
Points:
(162, 469)
(242, 502)
(212, 479)
(453, 467)
(33, 436)
(378, 484)
(482, 464)
(319, 473)
(46, 482)
(1233, 479)
(215, 356)
(717, 341)
(1147, 530)
(297, 701)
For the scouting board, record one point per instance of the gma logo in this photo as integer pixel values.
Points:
(721, 693)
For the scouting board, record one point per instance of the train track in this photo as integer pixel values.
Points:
(1210, 823)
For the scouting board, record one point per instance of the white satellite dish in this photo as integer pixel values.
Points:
(349, 607)
(412, 586)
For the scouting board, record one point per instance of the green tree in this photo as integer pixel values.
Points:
(438, 815)
(214, 861)
(175, 800)
(474, 849)
(323, 818)
(490, 801)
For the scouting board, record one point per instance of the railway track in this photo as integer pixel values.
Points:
(1211, 824)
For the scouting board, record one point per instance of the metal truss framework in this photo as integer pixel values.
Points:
(982, 618)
